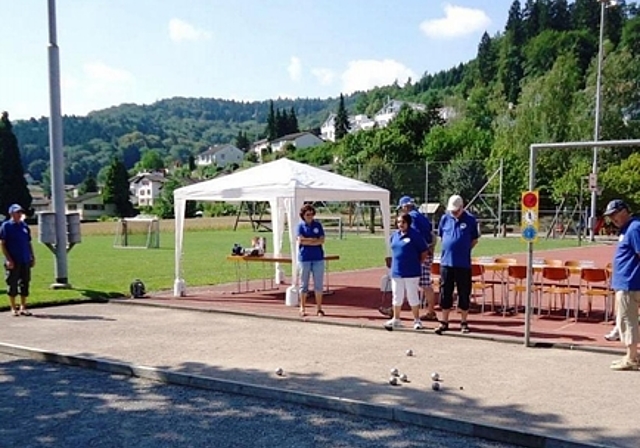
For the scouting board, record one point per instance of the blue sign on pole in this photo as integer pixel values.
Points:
(529, 233)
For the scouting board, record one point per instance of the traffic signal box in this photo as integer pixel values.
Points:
(530, 219)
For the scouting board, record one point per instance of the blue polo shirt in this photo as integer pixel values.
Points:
(17, 240)
(626, 261)
(422, 224)
(313, 230)
(405, 254)
(456, 236)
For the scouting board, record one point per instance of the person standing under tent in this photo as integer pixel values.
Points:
(310, 235)
(458, 232)
(15, 240)
(625, 281)
(408, 252)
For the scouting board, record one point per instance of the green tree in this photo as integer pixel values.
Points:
(13, 185)
(89, 185)
(116, 188)
(164, 206)
(559, 15)
(271, 131)
(192, 163)
(631, 36)
(486, 60)
(293, 126)
(341, 122)
(621, 181)
(511, 59)
(242, 141)
(151, 161)
(377, 172)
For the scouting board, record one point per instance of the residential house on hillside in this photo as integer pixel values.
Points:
(220, 155)
(300, 140)
(90, 206)
(145, 188)
(359, 122)
(381, 119)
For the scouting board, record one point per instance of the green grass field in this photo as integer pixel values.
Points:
(98, 270)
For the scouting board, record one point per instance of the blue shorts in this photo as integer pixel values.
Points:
(312, 267)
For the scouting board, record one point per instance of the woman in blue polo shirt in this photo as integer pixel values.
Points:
(311, 257)
(408, 251)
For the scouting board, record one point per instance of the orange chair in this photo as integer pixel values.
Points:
(479, 284)
(518, 273)
(509, 261)
(594, 282)
(556, 284)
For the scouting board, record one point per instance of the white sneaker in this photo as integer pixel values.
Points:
(613, 335)
(393, 323)
(417, 325)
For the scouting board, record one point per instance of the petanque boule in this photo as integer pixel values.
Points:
(393, 380)
(279, 371)
(435, 376)
(435, 386)
(394, 372)
(404, 378)
(409, 352)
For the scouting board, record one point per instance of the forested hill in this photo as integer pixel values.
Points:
(175, 127)
(535, 81)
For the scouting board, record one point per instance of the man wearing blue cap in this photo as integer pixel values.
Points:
(625, 281)
(423, 225)
(15, 240)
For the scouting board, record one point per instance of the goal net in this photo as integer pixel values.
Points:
(138, 233)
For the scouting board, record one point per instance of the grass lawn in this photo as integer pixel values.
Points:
(97, 270)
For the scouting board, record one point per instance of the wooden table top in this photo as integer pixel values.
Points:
(270, 258)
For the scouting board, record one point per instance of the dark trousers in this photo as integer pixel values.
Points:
(18, 279)
(460, 278)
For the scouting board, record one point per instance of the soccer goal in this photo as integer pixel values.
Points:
(138, 233)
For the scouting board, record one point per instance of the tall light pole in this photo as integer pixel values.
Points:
(56, 154)
(593, 184)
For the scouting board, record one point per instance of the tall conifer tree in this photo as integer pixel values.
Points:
(341, 122)
(13, 185)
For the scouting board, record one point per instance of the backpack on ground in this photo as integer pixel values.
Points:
(137, 289)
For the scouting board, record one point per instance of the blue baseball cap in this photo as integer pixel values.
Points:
(615, 206)
(15, 208)
(405, 200)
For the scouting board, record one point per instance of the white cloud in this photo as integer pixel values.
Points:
(324, 76)
(102, 73)
(180, 30)
(457, 21)
(295, 69)
(366, 74)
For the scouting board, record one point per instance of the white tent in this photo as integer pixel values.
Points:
(286, 185)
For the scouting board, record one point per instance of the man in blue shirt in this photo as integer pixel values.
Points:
(310, 235)
(626, 281)
(458, 231)
(15, 240)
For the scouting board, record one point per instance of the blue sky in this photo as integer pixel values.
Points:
(140, 51)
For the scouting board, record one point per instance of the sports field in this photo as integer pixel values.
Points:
(98, 270)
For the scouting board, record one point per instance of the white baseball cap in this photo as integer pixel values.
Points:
(455, 203)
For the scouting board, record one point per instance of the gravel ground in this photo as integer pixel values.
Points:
(53, 405)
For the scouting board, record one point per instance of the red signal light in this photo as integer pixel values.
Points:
(530, 199)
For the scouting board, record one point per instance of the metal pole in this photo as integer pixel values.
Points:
(426, 182)
(56, 154)
(580, 214)
(596, 130)
(528, 310)
(500, 197)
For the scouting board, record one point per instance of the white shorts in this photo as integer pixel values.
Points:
(410, 286)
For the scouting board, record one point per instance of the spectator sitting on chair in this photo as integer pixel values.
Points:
(311, 257)
(15, 240)
(458, 232)
(625, 281)
(408, 252)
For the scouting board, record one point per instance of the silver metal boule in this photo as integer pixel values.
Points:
(435, 376)
(394, 372)
(409, 352)
(279, 371)
(404, 378)
(393, 381)
(435, 386)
